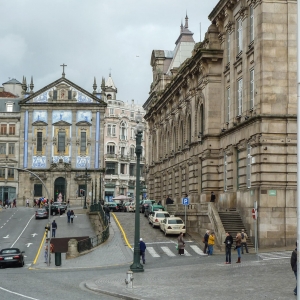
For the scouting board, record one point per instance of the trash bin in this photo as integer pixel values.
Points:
(58, 258)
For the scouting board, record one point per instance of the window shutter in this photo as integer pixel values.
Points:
(69, 95)
(54, 95)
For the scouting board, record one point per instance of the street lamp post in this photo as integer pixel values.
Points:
(84, 205)
(137, 266)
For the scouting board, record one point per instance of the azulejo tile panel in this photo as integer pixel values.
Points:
(83, 161)
(84, 115)
(39, 162)
(42, 97)
(83, 98)
(66, 159)
(39, 115)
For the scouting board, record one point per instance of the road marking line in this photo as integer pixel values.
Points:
(186, 253)
(171, 242)
(1, 288)
(123, 232)
(40, 248)
(197, 250)
(152, 252)
(168, 251)
(22, 231)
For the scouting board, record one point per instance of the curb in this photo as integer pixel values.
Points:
(89, 286)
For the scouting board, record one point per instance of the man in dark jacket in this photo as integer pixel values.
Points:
(228, 243)
(212, 197)
(294, 266)
(142, 250)
(54, 227)
(169, 200)
(205, 240)
(107, 213)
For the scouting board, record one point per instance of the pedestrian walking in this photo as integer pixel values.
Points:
(181, 244)
(205, 241)
(46, 251)
(107, 213)
(72, 216)
(228, 243)
(54, 227)
(68, 203)
(244, 237)
(142, 250)
(294, 266)
(69, 216)
(238, 243)
(27, 202)
(15, 203)
(212, 197)
(211, 243)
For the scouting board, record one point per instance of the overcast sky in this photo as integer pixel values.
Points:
(92, 36)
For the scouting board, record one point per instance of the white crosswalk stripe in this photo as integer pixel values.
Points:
(168, 251)
(186, 253)
(197, 250)
(275, 255)
(152, 252)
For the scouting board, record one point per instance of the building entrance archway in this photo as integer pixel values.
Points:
(60, 188)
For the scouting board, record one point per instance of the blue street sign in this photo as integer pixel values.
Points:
(185, 201)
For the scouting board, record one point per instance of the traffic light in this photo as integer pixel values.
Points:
(82, 192)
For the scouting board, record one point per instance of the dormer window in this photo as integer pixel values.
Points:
(109, 96)
(9, 107)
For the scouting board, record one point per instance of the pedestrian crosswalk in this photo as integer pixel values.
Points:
(275, 255)
(157, 250)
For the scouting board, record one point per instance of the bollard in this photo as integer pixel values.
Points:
(129, 279)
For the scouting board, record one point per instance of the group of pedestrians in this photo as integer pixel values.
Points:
(70, 215)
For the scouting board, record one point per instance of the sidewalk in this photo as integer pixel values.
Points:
(111, 253)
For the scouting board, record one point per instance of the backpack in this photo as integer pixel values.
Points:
(51, 248)
(243, 236)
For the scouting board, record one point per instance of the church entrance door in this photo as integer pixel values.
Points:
(59, 189)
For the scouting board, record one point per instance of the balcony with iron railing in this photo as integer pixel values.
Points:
(112, 156)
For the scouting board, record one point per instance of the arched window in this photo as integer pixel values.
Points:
(123, 131)
(108, 96)
(110, 148)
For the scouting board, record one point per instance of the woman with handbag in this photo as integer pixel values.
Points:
(181, 244)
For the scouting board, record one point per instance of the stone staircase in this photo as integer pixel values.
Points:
(233, 223)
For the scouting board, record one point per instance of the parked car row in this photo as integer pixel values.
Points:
(158, 217)
(114, 206)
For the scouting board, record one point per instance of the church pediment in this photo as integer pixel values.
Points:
(62, 91)
(39, 123)
(62, 123)
(83, 123)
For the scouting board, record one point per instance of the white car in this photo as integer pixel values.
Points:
(157, 216)
(172, 225)
(129, 206)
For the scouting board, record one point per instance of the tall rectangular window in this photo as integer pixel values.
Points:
(240, 97)
(225, 172)
(249, 158)
(251, 24)
(38, 190)
(251, 89)
(122, 151)
(2, 173)
(111, 111)
(61, 141)
(132, 114)
(82, 142)
(228, 104)
(239, 36)
(132, 170)
(11, 173)
(11, 149)
(12, 129)
(123, 168)
(108, 130)
(3, 129)
(113, 130)
(228, 46)
(2, 148)
(39, 141)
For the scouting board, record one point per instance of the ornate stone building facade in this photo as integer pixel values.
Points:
(119, 143)
(225, 119)
(61, 136)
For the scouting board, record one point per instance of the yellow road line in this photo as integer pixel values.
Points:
(123, 232)
(40, 248)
